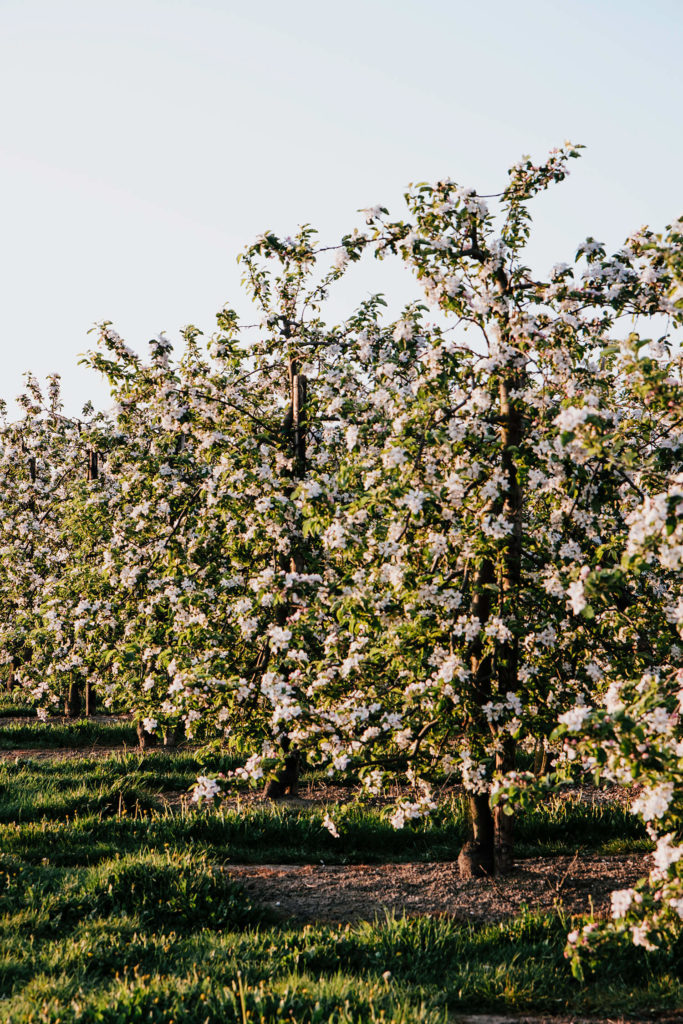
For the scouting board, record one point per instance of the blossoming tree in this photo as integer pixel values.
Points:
(48, 539)
(464, 530)
(411, 544)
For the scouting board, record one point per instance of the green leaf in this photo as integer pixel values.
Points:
(577, 969)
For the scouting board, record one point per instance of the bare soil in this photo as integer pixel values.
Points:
(341, 893)
(62, 753)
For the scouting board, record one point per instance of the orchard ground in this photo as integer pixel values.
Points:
(122, 901)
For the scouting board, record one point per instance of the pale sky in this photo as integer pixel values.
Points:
(144, 143)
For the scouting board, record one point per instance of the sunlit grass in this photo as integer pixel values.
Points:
(167, 935)
(127, 802)
(114, 908)
(77, 735)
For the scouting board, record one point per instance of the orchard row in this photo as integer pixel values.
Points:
(409, 545)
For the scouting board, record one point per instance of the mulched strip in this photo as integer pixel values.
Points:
(348, 893)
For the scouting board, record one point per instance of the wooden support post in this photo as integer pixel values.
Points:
(90, 700)
(299, 387)
(294, 430)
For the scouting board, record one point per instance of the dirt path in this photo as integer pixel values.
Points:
(62, 753)
(362, 892)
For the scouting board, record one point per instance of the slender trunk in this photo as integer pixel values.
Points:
(173, 736)
(286, 782)
(507, 654)
(476, 858)
(93, 470)
(491, 848)
(538, 757)
(504, 823)
(541, 759)
(145, 739)
(90, 696)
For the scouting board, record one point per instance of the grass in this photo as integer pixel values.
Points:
(15, 708)
(115, 804)
(112, 909)
(164, 937)
(77, 735)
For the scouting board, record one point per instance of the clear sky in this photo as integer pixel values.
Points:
(145, 142)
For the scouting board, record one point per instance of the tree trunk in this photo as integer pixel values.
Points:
(507, 654)
(173, 736)
(145, 739)
(504, 823)
(93, 469)
(299, 392)
(491, 848)
(476, 859)
(73, 702)
(541, 759)
(286, 782)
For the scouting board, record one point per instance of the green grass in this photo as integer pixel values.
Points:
(15, 708)
(115, 804)
(254, 837)
(78, 735)
(166, 937)
(116, 910)
(33, 789)
(19, 703)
